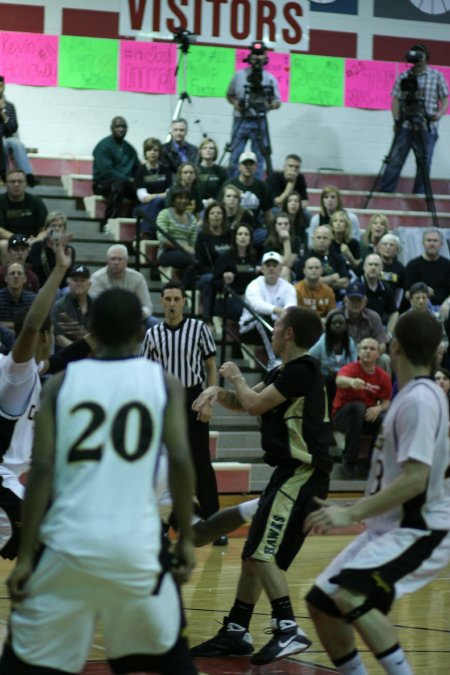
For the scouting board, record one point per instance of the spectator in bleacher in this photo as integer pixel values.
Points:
(236, 269)
(281, 238)
(18, 251)
(115, 164)
(343, 241)
(255, 195)
(117, 274)
(283, 183)
(363, 395)
(292, 205)
(72, 312)
(331, 201)
(211, 176)
(181, 226)
(419, 297)
(20, 211)
(13, 298)
(10, 140)
(268, 295)
(235, 213)
(433, 269)
(42, 253)
(311, 293)
(335, 270)
(187, 177)
(213, 240)
(178, 150)
(442, 378)
(393, 270)
(152, 181)
(380, 297)
(376, 229)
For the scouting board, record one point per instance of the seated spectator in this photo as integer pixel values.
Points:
(20, 211)
(72, 312)
(212, 241)
(331, 201)
(181, 226)
(293, 206)
(152, 181)
(13, 298)
(117, 274)
(433, 269)
(379, 296)
(284, 183)
(268, 295)
(343, 241)
(178, 150)
(235, 269)
(186, 177)
(235, 213)
(211, 176)
(311, 293)
(282, 239)
(378, 226)
(334, 349)
(442, 378)
(42, 253)
(363, 395)
(419, 297)
(115, 163)
(335, 271)
(442, 353)
(393, 270)
(18, 251)
(11, 141)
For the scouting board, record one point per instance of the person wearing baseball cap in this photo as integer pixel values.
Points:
(17, 251)
(72, 312)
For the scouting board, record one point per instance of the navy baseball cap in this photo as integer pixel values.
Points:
(355, 290)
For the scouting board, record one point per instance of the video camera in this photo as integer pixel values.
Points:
(412, 105)
(257, 95)
(184, 38)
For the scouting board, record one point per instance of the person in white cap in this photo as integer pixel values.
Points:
(269, 295)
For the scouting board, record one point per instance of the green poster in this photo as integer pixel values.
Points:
(318, 80)
(209, 71)
(87, 63)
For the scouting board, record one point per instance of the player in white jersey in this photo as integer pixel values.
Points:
(91, 506)
(19, 397)
(406, 510)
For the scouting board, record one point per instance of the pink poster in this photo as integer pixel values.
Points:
(368, 84)
(29, 58)
(147, 67)
(278, 66)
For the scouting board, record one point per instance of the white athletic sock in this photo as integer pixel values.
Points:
(353, 665)
(248, 509)
(394, 662)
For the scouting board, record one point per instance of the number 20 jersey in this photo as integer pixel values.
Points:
(109, 422)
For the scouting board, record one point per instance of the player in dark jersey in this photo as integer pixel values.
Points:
(295, 433)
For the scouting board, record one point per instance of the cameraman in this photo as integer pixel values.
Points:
(252, 92)
(427, 104)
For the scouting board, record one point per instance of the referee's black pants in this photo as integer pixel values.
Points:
(205, 478)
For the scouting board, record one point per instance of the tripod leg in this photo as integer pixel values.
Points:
(237, 121)
(240, 135)
(422, 183)
(397, 157)
(262, 146)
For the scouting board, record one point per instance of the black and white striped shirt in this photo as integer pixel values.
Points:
(181, 350)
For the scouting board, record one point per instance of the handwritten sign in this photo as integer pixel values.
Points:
(278, 66)
(88, 63)
(368, 84)
(29, 58)
(148, 67)
(209, 71)
(318, 80)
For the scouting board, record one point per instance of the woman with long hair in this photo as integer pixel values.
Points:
(211, 176)
(293, 206)
(187, 177)
(152, 180)
(343, 241)
(331, 201)
(280, 238)
(378, 226)
(235, 213)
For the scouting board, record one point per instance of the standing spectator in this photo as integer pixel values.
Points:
(115, 163)
(393, 270)
(20, 211)
(18, 251)
(292, 205)
(13, 298)
(432, 90)
(152, 181)
(42, 253)
(431, 268)
(343, 241)
(211, 176)
(117, 274)
(71, 313)
(331, 201)
(380, 297)
(185, 348)
(235, 213)
(284, 183)
(11, 141)
(249, 121)
(178, 150)
(281, 238)
(363, 395)
(376, 229)
(311, 293)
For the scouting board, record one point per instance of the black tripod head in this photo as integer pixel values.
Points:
(184, 38)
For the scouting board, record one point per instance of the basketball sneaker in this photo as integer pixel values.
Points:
(287, 639)
(231, 640)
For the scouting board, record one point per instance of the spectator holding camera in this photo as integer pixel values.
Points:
(42, 253)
